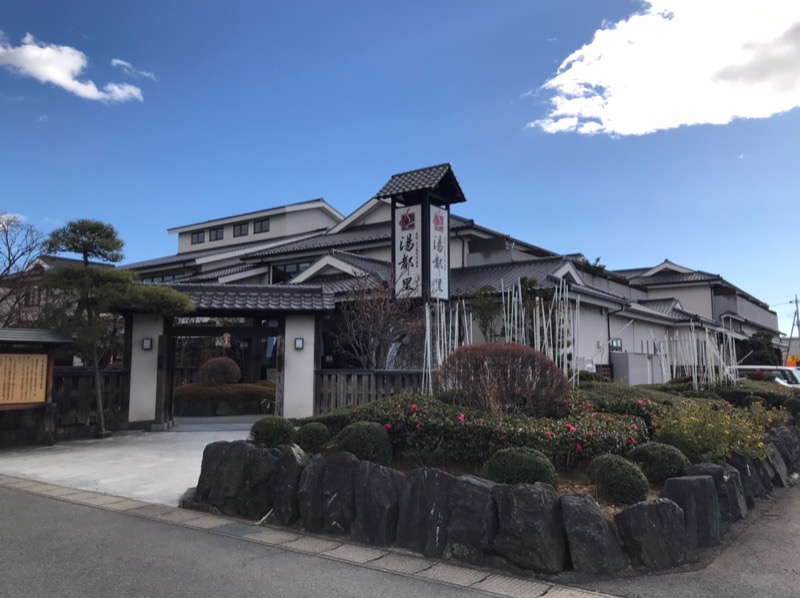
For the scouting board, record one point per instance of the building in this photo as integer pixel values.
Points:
(640, 325)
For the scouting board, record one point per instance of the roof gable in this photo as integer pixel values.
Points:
(438, 179)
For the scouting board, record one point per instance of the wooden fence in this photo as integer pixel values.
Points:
(349, 388)
(74, 397)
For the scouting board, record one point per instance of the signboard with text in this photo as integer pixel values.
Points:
(23, 378)
(408, 251)
(439, 254)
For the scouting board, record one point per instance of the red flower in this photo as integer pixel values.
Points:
(632, 440)
(387, 427)
(571, 428)
(641, 402)
(589, 405)
(419, 425)
(480, 420)
(414, 408)
(579, 448)
(635, 427)
(549, 434)
(461, 418)
(595, 414)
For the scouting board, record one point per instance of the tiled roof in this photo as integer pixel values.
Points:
(33, 336)
(213, 275)
(414, 180)
(472, 278)
(674, 278)
(190, 256)
(241, 297)
(340, 284)
(378, 268)
(664, 306)
(56, 261)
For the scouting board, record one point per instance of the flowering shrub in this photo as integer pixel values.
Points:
(621, 399)
(706, 430)
(435, 431)
(504, 378)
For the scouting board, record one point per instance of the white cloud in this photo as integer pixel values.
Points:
(42, 119)
(680, 62)
(62, 67)
(130, 70)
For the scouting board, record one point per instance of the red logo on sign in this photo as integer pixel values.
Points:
(408, 220)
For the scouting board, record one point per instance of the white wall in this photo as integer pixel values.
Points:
(144, 367)
(298, 367)
(592, 335)
(694, 299)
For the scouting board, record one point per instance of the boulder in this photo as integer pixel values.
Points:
(766, 473)
(697, 496)
(425, 511)
(780, 476)
(310, 500)
(530, 530)
(654, 534)
(235, 478)
(593, 545)
(339, 509)
(377, 494)
(473, 520)
(788, 446)
(286, 483)
(751, 481)
(728, 483)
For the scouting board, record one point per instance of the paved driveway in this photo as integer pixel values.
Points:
(149, 466)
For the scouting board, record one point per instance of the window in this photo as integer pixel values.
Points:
(215, 234)
(615, 344)
(198, 237)
(285, 272)
(241, 230)
(261, 226)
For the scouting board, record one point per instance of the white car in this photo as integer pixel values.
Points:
(785, 376)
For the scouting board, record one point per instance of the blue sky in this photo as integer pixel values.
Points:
(630, 130)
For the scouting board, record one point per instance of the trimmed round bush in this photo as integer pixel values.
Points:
(659, 461)
(618, 480)
(312, 436)
(219, 370)
(366, 440)
(272, 431)
(521, 465)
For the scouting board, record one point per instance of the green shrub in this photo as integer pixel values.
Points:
(335, 421)
(272, 431)
(615, 397)
(367, 441)
(505, 378)
(659, 461)
(200, 399)
(219, 370)
(707, 430)
(748, 391)
(312, 437)
(521, 465)
(618, 479)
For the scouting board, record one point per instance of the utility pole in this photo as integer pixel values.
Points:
(795, 320)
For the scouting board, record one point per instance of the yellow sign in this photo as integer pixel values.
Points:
(793, 361)
(23, 378)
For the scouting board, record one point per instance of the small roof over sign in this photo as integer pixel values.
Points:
(437, 179)
(32, 336)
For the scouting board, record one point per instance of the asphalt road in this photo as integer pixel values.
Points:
(50, 548)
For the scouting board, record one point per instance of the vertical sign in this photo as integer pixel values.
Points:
(440, 253)
(408, 251)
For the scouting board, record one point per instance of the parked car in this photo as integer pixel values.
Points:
(783, 375)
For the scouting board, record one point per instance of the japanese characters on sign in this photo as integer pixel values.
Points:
(23, 378)
(440, 254)
(407, 261)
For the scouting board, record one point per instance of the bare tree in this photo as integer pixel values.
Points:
(20, 245)
(370, 319)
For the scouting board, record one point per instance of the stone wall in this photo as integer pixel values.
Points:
(470, 519)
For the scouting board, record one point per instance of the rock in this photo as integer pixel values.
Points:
(235, 477)
(310, 500)
(766, 473)
(286, 482)
(425, 511)
(377, 494)
(473, 520)
(654, 534)
(788, 446)
(593, 545)
(751, 482)
(339, 509)
(728, 483)
(780, 477)
(188, 498)
(530, 527)
(697, 496)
